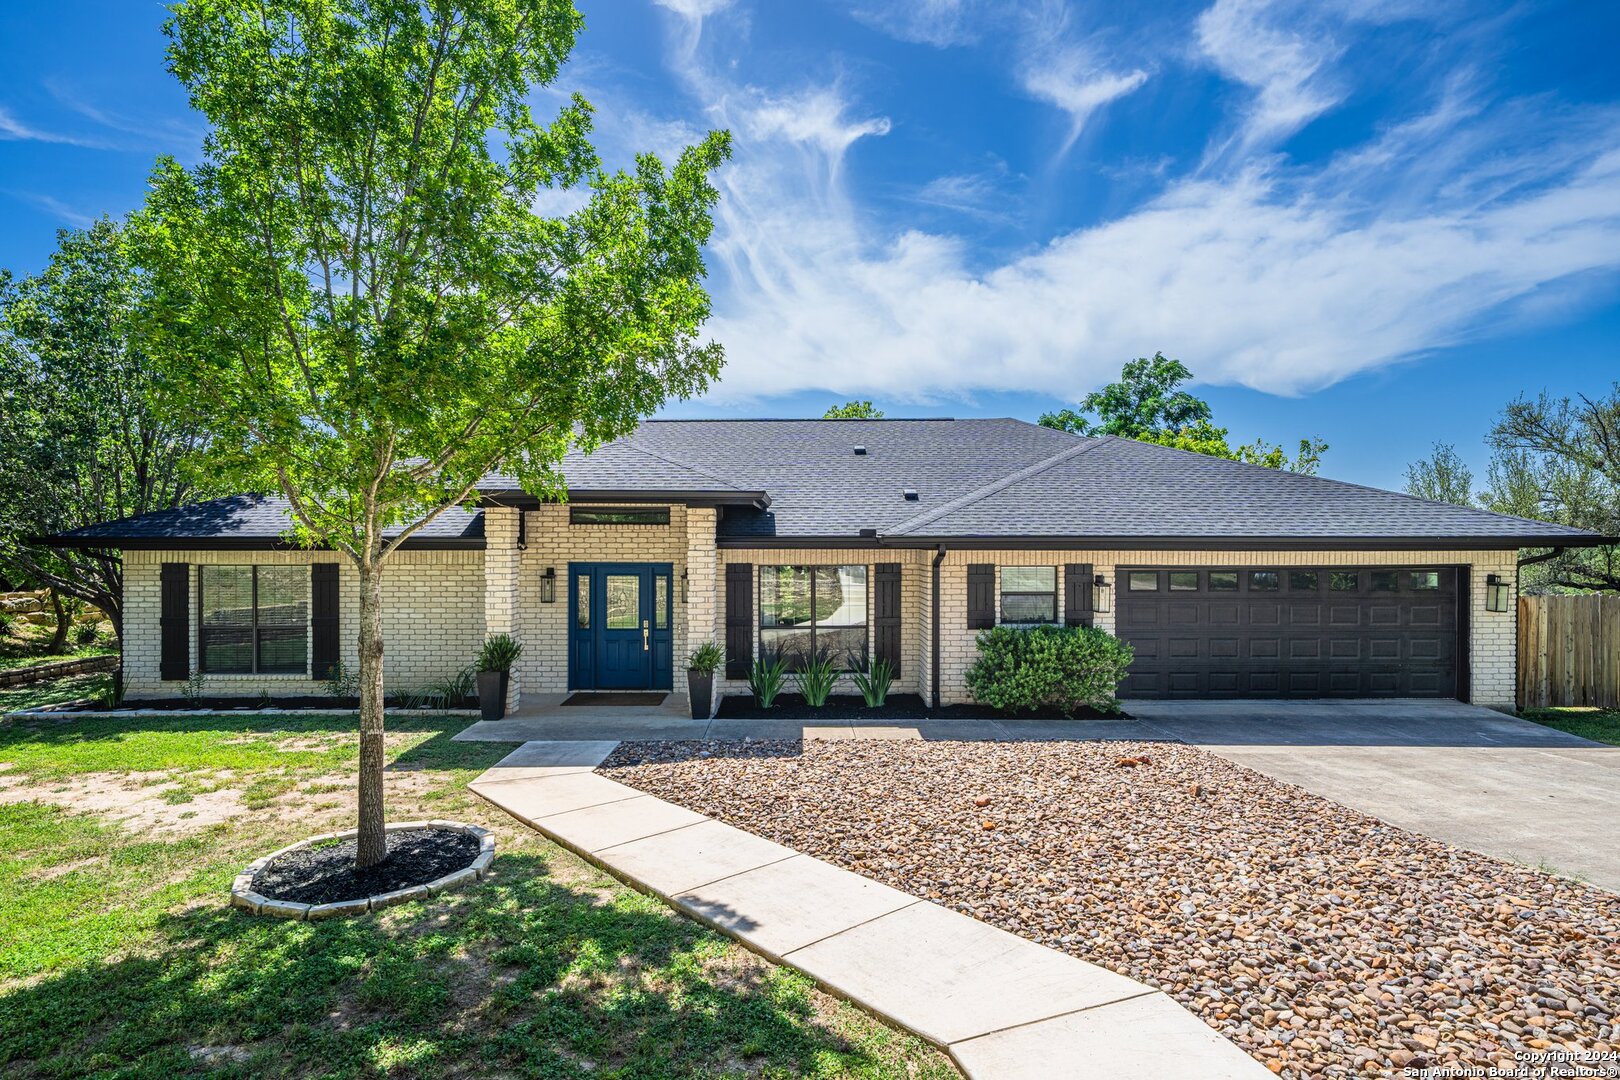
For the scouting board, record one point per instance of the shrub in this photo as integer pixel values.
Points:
(342, 683)
(7, 619)
(873, 683)
(705, 658)
(765, 679)
(1065, 668)
(84, 634)
(816, 680)
(499, 653)
(450, 691)
(192, 689)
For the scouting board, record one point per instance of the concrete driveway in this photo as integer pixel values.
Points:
(1466, 775)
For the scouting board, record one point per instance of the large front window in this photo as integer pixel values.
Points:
(255, 620)
(807, 611)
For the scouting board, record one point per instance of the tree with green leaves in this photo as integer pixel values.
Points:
(357, 299)
(80, 442)
(853, 410)
(1147, 404)
(1558, 460)
(1443, 476)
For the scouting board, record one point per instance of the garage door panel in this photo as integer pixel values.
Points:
(1305, 633)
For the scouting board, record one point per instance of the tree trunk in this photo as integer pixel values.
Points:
(372, 839)
(63, 623)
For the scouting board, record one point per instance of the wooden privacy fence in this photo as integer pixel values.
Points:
(1569, 651)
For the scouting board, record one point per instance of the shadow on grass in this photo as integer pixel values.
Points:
(519, 975)
(66, 729)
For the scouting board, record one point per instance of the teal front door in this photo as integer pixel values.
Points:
(621, 617)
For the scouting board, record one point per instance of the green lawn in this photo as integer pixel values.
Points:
(55, 692)
(1599, 725)
(17, 654)
(120, 958)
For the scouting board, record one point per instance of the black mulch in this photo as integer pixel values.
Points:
(326, 874)
(897, 707)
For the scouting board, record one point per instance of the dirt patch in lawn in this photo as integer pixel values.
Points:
(139, 801)
(1323, 941)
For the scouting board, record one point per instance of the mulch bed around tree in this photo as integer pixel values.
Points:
(326, 874)
(1325, 942)
(897, 707)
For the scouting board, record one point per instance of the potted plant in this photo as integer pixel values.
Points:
(700, 669)
(495, 662)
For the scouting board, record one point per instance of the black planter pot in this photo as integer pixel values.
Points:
(491, 694)
(700, 689)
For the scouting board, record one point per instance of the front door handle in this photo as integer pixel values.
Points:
(645, 635)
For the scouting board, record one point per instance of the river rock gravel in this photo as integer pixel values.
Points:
(1321, 940)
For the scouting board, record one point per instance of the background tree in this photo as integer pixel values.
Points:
(853, 410)
(79, 441)
(1558, 460)
(356, 296)
(1146, 404)
(1442, 476)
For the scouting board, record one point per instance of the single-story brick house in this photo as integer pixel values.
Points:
(897, 539)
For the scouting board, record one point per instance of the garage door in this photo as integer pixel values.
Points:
(1289, 632)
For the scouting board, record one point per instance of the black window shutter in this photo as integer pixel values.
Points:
(981, 588)
(174, 623)
(739, 619)
(323, 619)
(1077, 594)
(886, 613)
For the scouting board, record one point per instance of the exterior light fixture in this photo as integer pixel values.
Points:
(686, 588)
(1102, 594)
(548, 585)
(1496, 593)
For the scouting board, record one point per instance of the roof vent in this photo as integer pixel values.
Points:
(910, 494)
(860, 451)
(869, 533)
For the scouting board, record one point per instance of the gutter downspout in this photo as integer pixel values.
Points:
(933, 668)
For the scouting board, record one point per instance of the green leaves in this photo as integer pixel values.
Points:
(1061, 668)
(355, 285)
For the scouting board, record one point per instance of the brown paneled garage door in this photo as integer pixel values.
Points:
(1290, 632)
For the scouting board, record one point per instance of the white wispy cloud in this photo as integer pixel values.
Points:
(15, 130)
(1283, 57)
(1073, 82)
(940, 23)
(58, 209)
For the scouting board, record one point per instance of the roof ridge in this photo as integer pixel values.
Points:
(1335, 481)
(683, 465)
(981, 493)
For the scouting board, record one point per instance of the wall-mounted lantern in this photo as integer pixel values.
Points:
(686, 588)
(548, 585)
(1102, 594)
(1496, 593)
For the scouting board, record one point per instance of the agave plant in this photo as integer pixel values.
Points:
(766, 677)
(816, 678)
(873, 683)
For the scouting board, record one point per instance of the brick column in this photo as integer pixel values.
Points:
(702, 582)
(502, 563)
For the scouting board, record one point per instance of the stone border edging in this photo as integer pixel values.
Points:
(243, 895)
(33, 673)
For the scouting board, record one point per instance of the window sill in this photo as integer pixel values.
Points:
(238, 676)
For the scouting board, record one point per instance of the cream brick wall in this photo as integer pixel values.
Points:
(553, 542)
(914, 596)
(433, 619)
(1492, 635)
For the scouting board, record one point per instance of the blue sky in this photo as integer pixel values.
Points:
(1374, 222)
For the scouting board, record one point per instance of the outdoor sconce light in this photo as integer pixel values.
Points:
(1102, 594)
(1496, 593)
(548, 585)
(686, 588)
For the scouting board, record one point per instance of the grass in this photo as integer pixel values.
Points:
(1599, 725)
(120, 958)
(98, 686)
(20, 654)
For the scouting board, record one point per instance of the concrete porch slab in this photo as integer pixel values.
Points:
(950, 977)
(791, 904)
(533, 760)
(1143, 1038)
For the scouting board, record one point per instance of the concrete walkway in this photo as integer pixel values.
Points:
(1000, 1005)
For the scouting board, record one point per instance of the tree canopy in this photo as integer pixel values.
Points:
(1147, 404)
(80, 442)
(853, 410)
(1443, 476)
(357, 299)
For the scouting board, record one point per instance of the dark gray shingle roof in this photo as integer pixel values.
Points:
(989, 479)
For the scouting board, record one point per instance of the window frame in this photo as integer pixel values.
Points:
(619, 516)
(1002, 593)
(253, 628)
(814, 625)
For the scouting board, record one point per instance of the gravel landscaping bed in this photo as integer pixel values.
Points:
(1323, 941)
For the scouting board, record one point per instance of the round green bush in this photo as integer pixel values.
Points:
(1066, 668)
